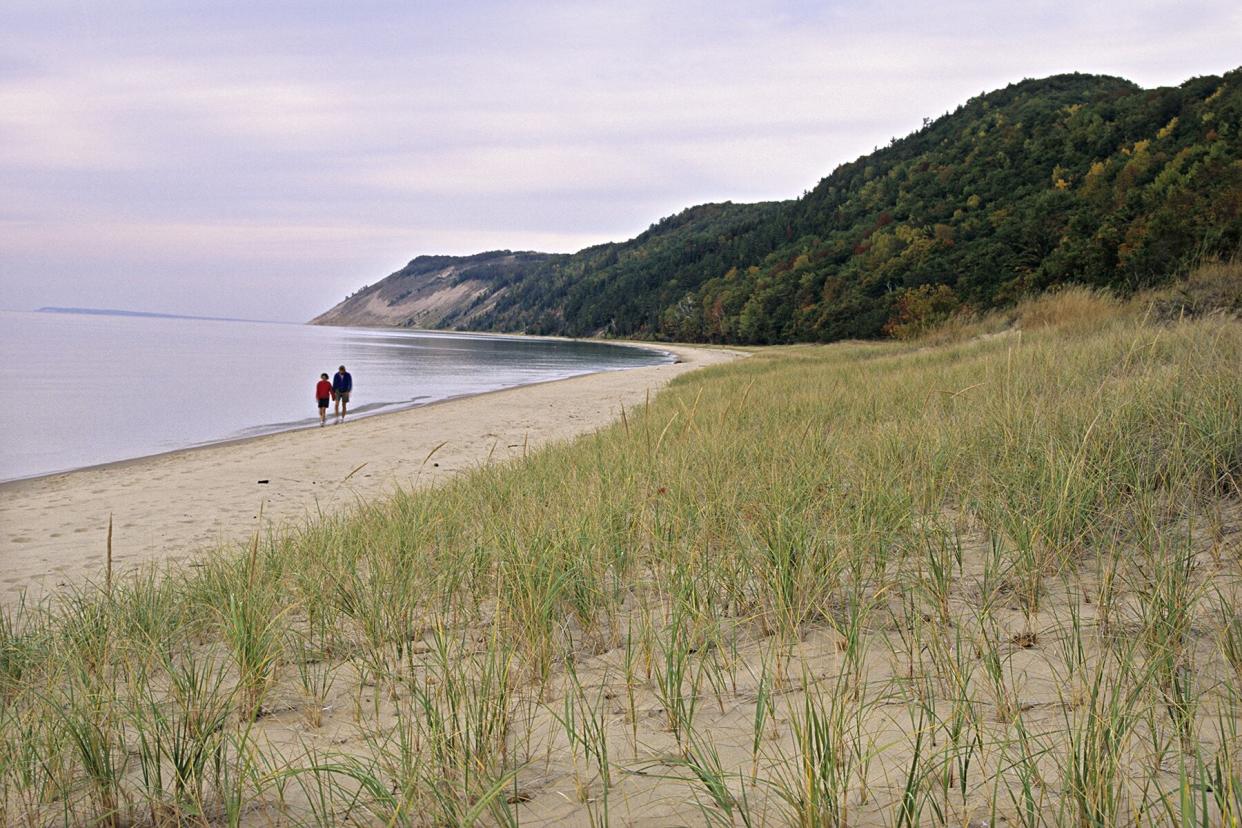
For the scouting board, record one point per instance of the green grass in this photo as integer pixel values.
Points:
(863, 584)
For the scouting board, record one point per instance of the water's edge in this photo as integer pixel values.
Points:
(385, 409)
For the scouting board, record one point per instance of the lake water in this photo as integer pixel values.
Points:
(85, 389)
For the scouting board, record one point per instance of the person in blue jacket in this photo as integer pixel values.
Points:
(342, 384)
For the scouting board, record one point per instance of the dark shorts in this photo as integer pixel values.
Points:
(323, 403)
(343, 396)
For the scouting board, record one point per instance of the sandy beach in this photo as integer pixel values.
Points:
(53, 530)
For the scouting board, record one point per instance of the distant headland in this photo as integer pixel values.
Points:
(147, 314)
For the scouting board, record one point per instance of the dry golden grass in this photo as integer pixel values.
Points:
(1212, 288)
(1215, 287)
(1073, 308)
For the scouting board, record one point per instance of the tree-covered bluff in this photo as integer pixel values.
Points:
(1069, 179)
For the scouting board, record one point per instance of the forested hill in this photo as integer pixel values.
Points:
(1073, 178)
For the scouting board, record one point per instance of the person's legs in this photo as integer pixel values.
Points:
(323, 414)
(336, 407)
(344, 404)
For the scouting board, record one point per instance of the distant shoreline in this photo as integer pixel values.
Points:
(153, 315)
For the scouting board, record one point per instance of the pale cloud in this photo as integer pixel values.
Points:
(300, 244)
(160, 153)
(44, 125)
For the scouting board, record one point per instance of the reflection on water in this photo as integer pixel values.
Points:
(95, 389)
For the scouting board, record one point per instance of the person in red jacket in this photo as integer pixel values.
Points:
(323, 393)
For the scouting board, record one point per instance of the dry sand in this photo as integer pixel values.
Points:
(53, 529)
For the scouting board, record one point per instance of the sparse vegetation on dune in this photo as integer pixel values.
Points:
(888, 584)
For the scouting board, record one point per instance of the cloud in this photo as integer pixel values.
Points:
(336, 141)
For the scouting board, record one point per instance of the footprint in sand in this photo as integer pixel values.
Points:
(20, 539)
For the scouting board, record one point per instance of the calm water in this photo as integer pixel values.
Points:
(84, 389)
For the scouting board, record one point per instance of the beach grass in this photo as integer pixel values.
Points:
(993, 574)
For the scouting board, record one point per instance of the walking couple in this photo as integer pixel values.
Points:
(338, 389)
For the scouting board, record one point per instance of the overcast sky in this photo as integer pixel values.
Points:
(263, 159)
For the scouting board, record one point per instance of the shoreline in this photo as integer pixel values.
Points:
(397, 408)
(260, 431)
(169, 506)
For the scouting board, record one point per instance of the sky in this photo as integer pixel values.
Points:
(264, 159)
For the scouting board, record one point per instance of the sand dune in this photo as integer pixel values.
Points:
(164, 508)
